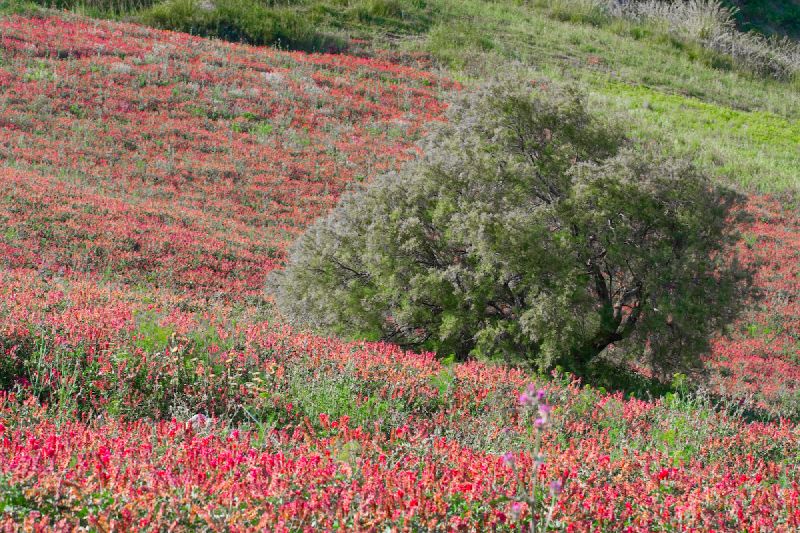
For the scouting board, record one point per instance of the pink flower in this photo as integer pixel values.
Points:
(508, 459)
(516, 510)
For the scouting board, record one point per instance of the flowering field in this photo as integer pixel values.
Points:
(151, 180)
(200, 159)
(761, 360)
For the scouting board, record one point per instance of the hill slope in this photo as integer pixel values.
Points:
(148, 182)
(681, 94)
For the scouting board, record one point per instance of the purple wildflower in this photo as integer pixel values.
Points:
(508, 459)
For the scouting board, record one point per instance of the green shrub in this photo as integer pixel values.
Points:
(770, 17)
(531, 229)
(248, 21)
(237, 20)
(594, 12)
(461, 46)
(98, 8)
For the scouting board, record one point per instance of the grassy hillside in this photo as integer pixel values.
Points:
(681, 95)
(150, 180)
(744, 127)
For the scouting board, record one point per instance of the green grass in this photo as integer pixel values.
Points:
(744, 128)
(243, 21)
(307, 25)
(755, 149)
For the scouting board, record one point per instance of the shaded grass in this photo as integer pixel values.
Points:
(306, 25)
(770, 17)
(242, 21)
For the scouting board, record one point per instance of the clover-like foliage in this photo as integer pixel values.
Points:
(531, 228)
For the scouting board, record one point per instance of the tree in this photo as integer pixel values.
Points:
(531, 228)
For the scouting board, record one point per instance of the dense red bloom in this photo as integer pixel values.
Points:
(761, 362)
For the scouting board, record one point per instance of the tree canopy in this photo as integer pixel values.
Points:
(531, 229)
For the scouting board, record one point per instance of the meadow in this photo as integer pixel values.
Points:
(150, 180)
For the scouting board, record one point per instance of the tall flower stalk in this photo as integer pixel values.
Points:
(536, 416)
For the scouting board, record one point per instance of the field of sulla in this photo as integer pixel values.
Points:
(149, 182)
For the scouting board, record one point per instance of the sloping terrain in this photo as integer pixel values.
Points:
(150, 180)
(226, 151)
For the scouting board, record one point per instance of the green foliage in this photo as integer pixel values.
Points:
(594, 12)
(241, 20)
(99, 8)
(299, 25)
(531, 229)
(770, 17)
(16, 7)
(337, 392)
(150, 335)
